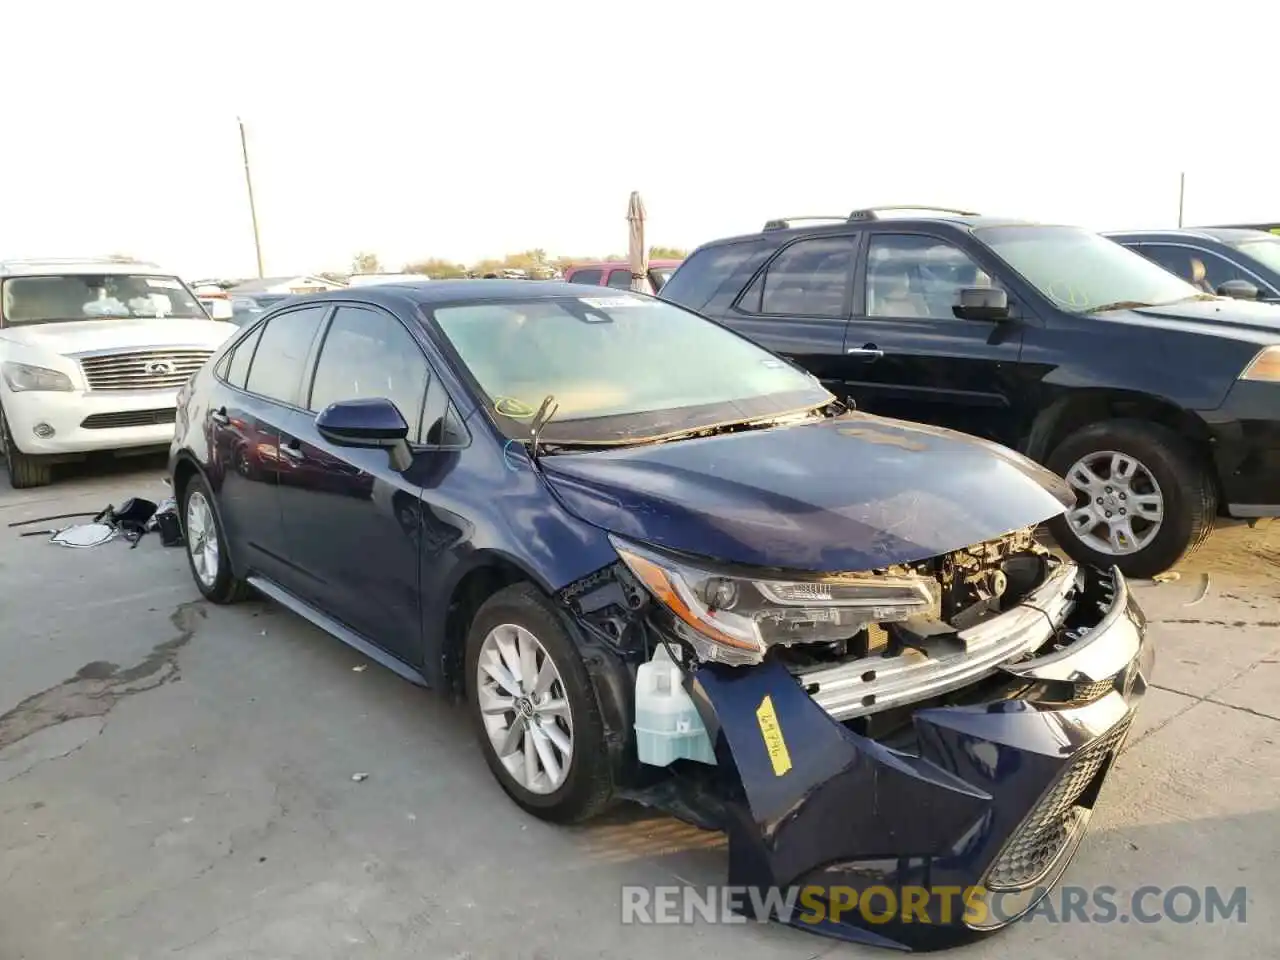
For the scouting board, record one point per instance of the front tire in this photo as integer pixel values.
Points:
(25, 470)
(206, 543)
(1144, 498)
(534, 708)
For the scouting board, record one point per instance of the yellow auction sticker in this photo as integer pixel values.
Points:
(771, 731)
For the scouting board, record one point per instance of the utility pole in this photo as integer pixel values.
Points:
(253, 210)
(1182, 192)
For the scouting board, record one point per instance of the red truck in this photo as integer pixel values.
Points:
(617, 273)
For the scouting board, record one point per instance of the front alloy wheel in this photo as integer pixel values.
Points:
(1144, 496)
(535, 707)
(1122, 507)
(524, 708)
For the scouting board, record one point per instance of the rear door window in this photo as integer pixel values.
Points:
(811, 278)
(241, 357)
(281, 358)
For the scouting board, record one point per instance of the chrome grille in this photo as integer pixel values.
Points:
(1055, 819)
(143, 369)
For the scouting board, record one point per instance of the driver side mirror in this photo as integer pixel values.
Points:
(1238, 290)
(370, 423)
(981, 303)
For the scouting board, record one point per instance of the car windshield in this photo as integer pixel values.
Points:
(1082, 272)
(1265, 251)
(54, 299)
(622, 368)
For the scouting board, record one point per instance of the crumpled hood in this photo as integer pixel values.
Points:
(84, 336)
(851, 493)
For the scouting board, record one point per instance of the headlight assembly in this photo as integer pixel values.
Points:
(732, 618)
(24, 376)
(1265, 366)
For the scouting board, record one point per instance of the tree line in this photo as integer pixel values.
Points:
(535, 263)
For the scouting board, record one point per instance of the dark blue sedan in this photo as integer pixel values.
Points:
(660, 563)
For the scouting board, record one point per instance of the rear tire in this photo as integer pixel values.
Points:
(509, 619)
(1162, 468)
(206, 544)
(25, 470)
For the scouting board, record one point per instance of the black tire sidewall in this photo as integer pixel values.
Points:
(224, 585)
(24, 470)
(580, 794)
(1182, 478)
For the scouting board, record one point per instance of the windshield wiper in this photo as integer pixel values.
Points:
(540, 419)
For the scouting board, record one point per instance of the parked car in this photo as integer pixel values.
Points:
(617, 274)
(92, 354)
(1230, 262)
(1159, 403)
(704, 586)
(245, 308)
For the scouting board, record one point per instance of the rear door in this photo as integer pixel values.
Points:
(262, 376)
(351, 520)
(798, 305)
(911, 357)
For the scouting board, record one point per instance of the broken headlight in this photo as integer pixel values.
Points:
(734, 617)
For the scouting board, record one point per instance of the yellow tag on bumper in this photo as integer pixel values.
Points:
(771, 731)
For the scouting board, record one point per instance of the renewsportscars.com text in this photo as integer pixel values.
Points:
(679, 904)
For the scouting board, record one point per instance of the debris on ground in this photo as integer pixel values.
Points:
(361, 668)
(359, 777)
(1169, 576)
(133, 520)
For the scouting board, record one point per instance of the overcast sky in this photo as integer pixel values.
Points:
(466, 130)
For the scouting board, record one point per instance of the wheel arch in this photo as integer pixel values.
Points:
(1079, 408)
(485, 574)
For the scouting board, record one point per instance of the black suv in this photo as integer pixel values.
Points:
(1158, 402)
(1230, 261)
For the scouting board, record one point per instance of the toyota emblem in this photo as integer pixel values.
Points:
(159, 368)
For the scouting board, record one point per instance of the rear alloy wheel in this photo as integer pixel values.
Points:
(207, 545)
(24, 470)
(534, 708)
(1144, 500)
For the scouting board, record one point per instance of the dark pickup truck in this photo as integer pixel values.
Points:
(1159, 403)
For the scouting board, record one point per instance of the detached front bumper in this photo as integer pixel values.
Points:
(928, 846)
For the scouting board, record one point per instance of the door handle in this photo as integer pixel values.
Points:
(291, 451)
(220, 417)
(871, 351)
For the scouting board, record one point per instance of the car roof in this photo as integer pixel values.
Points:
(833, 225)
(64, 266)
(434, 292)
(1221, 234)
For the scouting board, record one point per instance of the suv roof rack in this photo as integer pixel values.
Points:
(872, 213)
(784, 223)
(867, 213)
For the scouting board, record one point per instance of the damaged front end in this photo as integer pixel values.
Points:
(931, 737)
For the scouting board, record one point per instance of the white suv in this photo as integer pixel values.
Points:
(92, 355)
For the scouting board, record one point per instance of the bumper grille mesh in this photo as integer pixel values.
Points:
(129, 418)
(143, 369)
(1051, 824)
(1088, 692)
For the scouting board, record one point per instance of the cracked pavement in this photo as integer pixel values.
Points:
(176, 780)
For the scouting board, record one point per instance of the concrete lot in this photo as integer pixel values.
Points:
(176, 780)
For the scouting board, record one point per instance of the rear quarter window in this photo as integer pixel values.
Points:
(711, 278)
